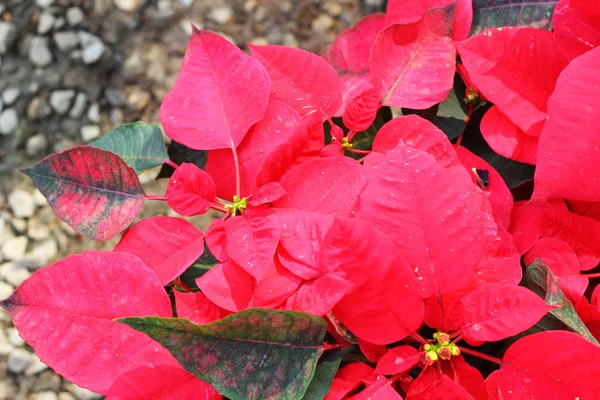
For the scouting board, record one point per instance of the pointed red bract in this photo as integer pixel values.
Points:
(362, 110)
(575, 32)
(491, 385)
(198, 308)
(191, 191)
(349, 378)
(318, 297)
(276, 128)
(219, 94)
(166, 245)
(92, 190)
(300, 79)
(516, 69)
(267, 193)
(469, 378)
(551, 365)
(568, 168)
(381, 389)
(252, 239)
(496, 311)
(506, 139)
(162, 382)
(398, 360)
(413, 65)
(431, 385)
(275, 287)
(66, 312)
(228, 286)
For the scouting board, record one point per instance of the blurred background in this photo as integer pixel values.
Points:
(72, 70)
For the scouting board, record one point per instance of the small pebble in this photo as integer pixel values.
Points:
(35, 367)
(38, 198)
(14, 249)
(79, 106)
(36, 145)
(221, 15)
(10, 95)
(129, 5)
(21, 203)
(18, 360)
(90, 132)
(13, 273)
(46, 23)
(14, 338)
(44, 3)
(39, 52)
(60, 100)
(93, 113)
(9, 121)
(75, 16)
(66, 41)
(8, 34)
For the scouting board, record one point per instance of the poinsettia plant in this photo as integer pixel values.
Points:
(407, 216)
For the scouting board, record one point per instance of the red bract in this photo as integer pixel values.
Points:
(375, 237)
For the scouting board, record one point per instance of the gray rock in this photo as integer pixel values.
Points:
(21, 203)
(1, 105)
(9, 121)
(47, 381)
(14, 249)
(13, 273)
(43, 395)
(75, 16)
(11, 95)
(93, 52)
(79, 105)
(115, 97)
(6, 289)
(41, 255)
(90, 132)
(93, 113)
(44, 3)
(8, 33)
(14, 338)
(36, 145)
(129, 5)
(39, 52)
(35, 367)
(38, 108)
(18, 360)
(59, 23)
(81, 393)
(5, 346)
(60, 100)
(46, 23)
(66, 41)
(221, 15)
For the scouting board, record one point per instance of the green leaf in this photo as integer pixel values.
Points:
(254, 354)
(539, 279)
(140, 145)
(180, 154)
(522, 13)
(326, 369)
(514, 173)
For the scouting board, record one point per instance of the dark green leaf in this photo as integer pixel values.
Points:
(205, 262)
(326, 369)
(514, 173)
(539, 279)
(523, 13)
(179, 154)
(140, 145)
(254, 354)
(364, 139)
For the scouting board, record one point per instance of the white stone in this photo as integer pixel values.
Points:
(322, 23)
(65, 396)
(129, 5)
(93, 52)
(39, 52)
(9, 121)
(6, 290)
(14, 248)
(21, 203)
(10, 95)
(14, 338)
(8, 33)
(221, 15)
(81, 393)
(41, 254)
(35, 367)
(66, 41)
(36, 145)
(37, 230)
(47, 395)
(13, 273)
(5, 346)
(94, 113)
(44, 3)
(60, 100)
(75, 16)
(38, 198)
(79, 106)
(45, 23)
(90, 132)
(19, 224)
(18, 360)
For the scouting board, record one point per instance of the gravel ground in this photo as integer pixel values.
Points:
(71, 70)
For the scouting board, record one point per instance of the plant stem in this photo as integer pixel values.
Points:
(356, 151)
(236, 161)
(351, 135)
(161, 198)
(458, 338)
(480, 355)
(171, 164)
(420, 338)
(219, 207)
(590, 276)
(183, 285)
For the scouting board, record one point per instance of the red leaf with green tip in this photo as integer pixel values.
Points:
(219, 94)
(66, 312)
(398, 360)
(568, 168)
(191, 191)
(92, 190)
(413, 65)
(300, 79)
(166, 245)
(362, 110)
(551, 365)
(161, 382)
(496, 311)
(516, 69)
(227, 285)
(506, 139)
(276, 128)
(431, 385)
(255, 354)
(252, 239)
(574, 31)
(198, 308)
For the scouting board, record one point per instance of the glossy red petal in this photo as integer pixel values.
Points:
(301, 79)
(66, 312)
(381, 389)
(252, 239)
(219, 94)
(551, 365)
(491, 385)
(228, 286)
(372, 352)
(216, 240)
(191, 191)
(568, 168)
(506, 139)
(166, 245)
(413, 64)
(574, 33)
(398, 360)
(267, 193)
(198, 308)
(362, 110)
(557, 255)
(162, 382)
(469, 378)
(516, 69)
(496, 311)
(348, 378)
(275, 287)
(318, 297)
(431, 385)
